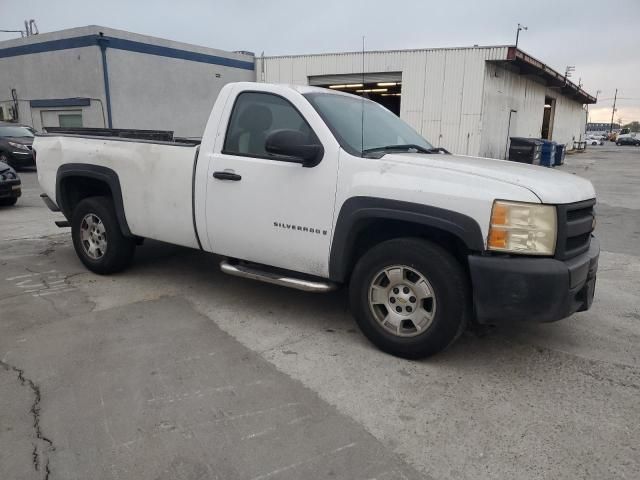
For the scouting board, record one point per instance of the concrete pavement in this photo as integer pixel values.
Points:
(175, 370)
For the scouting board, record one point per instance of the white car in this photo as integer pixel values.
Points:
(293, 188)
(594, 141)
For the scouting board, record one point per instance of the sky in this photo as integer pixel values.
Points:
(597, 37)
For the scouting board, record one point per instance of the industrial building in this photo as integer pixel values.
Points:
(602, 128)
(99, 77)
(467, 100)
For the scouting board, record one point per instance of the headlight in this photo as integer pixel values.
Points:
(525, 228)
(18, 145)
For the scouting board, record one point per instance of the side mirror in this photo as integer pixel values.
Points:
(294, 146)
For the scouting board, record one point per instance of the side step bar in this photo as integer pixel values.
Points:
(276, 278)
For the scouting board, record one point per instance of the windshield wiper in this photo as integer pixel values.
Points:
(406, 146)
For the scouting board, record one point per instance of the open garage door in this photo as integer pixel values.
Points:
(384, 88)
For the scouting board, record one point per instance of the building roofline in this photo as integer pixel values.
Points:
(526, 62)
(531, 65)
(397, 50)
(122, 40)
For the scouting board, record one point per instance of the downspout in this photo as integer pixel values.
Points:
(506, 147)
(103, 43)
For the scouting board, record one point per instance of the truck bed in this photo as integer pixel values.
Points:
(156, 179)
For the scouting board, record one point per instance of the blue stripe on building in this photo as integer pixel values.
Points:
(127, 45)
(50, 46)
(60, 102)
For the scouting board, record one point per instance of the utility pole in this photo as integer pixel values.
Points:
(520, 27)
(613, 111)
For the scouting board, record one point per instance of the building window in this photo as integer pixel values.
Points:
(70, 120)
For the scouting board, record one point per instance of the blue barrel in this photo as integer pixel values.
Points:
(548, 154)
(561, 151)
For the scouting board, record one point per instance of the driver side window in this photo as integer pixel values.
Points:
(255, 116)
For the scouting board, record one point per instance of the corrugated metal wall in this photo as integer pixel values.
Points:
(453, 97)
(570, 120)
(442, 89)
(506, 90)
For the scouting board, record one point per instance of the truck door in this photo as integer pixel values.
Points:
(266, 210)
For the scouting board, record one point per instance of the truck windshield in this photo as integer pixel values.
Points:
(12, 131)
(383, 131)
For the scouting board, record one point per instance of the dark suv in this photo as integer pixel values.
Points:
(16, 145)
(628, 141)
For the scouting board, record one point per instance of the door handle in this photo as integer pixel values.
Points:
(225, 175)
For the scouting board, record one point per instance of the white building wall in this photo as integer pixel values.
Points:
(163, 93)
(455, 97)
(507, 90)
(147, 91)
(151, 92)
(69, 73)
(570, 120)
(441, 88)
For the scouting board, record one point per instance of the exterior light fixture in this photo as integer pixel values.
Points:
(372, 90)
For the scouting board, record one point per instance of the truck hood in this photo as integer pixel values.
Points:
(549, 185)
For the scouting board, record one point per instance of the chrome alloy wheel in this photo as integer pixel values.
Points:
(93, 236)
(402, 300)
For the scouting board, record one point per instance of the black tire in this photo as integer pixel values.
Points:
(8, 202)
(450, 287)
(119, 250)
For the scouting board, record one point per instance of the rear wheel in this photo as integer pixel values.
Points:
(410, 297)
(97, 237)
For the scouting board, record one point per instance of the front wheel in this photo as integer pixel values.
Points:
(97, 238)
(410, 297)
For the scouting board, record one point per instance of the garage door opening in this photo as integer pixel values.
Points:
(383, 88)
(547, 117)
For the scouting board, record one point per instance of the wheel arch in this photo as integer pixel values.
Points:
(77, 181)
(366, 221)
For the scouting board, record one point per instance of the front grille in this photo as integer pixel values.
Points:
(575, 223)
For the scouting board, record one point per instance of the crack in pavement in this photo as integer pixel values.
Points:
(39, 455)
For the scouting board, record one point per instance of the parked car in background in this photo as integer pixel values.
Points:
(10, 186)
(594, 141)
(628, 140)
(16, 145)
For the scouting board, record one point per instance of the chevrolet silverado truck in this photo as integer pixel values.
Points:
(313, 189)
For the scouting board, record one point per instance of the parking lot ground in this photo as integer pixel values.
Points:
(175, 370)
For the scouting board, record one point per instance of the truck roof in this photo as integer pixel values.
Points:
(302, 89)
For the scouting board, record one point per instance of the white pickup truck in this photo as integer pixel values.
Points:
(312, 189)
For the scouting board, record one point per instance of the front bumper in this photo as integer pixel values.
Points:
(532, 289)
(10, 189)
(21, 158)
